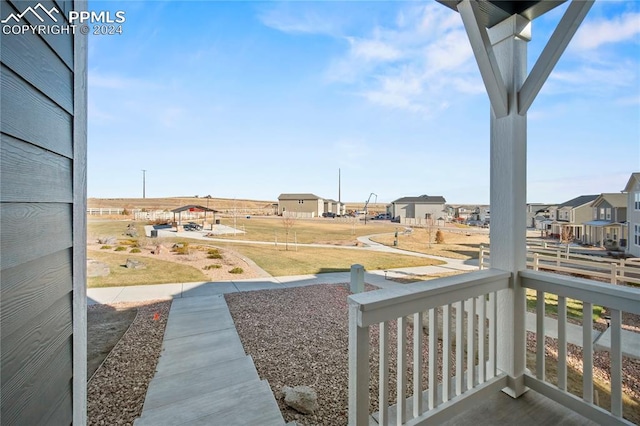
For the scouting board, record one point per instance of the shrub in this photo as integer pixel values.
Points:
(135, 250)
(181, 248)
(213, 251)
(214, 266)
(236, 270)
(439, 237)
(120, 248)
(214, 256)
(105, 247)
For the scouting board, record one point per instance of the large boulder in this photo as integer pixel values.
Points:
(96, 268)
(301, 398)
(135, 264)
(109, 241)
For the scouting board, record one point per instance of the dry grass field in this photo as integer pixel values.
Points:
(222, 204)
(338, 231)
(275, 260)
(457, 244)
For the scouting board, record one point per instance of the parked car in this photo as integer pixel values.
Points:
(382, 216)
(192, 226)
(328, 214)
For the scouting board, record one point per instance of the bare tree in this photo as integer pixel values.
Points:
(429, 223)
(566, 235)
(288, 221)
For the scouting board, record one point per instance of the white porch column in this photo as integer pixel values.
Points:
(508, 198)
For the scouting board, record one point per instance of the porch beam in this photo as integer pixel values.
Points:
(483, 51)
(549, 57)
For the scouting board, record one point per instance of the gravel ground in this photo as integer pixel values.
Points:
(115, 394)
(299, 336)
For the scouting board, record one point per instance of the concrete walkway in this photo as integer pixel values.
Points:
(203, 376)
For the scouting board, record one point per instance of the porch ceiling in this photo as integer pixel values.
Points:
(495, 11)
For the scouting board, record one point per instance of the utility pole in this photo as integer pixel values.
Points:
(144, 183)
(339, 195)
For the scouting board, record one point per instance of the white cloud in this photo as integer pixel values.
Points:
(308, 22)
(373, 50)
(594, 34)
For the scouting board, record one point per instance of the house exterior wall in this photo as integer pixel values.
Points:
(312, 207)
(633, 217)
(424, 211)
(42, 223)
(416, 210)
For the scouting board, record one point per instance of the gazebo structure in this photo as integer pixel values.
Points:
(483, 313)
(192, 208)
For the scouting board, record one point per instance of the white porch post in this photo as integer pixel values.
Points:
(508, 198)
(501, 53)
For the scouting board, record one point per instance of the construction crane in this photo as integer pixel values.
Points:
(366, 204)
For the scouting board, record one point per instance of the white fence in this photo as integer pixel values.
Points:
(616, 271)
(104, 211)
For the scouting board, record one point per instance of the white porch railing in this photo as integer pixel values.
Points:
(474, 293)
(617, 300)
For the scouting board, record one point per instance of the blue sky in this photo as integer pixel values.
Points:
(253, 99)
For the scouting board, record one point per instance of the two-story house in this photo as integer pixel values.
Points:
(571, 215)
(633, 214)
(608, 225)
(422, 208)
(301, 205)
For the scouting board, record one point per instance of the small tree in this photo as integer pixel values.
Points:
(566, 236)
(288, 220)
(439, 237)
(429, 222)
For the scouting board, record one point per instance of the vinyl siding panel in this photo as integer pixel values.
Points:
(33, 230)
(33, 174)
(50, 74)
(60, 45)
(29, 115)
(43, 181)
(27, 354)
(51, 383)
(31, 288)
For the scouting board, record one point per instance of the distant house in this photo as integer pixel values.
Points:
(539, 215)
(633, 214)
(572, 214)
(481, 214)
(333, 206)
(462, 213)
(421, 208)
(300, 205)
(608, 225)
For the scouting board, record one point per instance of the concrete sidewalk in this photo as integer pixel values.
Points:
(203, 376)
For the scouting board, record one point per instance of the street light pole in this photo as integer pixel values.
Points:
(144, 183)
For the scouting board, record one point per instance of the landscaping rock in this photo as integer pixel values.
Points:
(135, 264)
(131, 231)
(109, 241)
(301, 398)
(96, 268)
